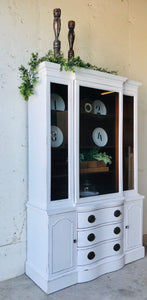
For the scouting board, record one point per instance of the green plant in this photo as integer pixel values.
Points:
(94, 154)
(29, 76)
(88, 155)
(103, 156)
(82, 157)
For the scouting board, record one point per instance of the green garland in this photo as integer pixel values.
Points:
(29, 76)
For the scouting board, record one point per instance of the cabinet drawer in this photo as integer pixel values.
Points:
(99, 234)
(100, 216)
(93, 254)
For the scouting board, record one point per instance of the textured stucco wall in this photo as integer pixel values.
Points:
(110, 34)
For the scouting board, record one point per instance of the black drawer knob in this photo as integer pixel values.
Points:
(117, 213)
(91, 255)
(117, 230)
(116, 247)
(91, 237)
(91, 219)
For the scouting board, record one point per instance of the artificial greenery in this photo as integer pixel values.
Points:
(94, 154)
(88, 155)
(104, 157)
(29, 76)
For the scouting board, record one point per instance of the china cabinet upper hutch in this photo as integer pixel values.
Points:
(84, 214)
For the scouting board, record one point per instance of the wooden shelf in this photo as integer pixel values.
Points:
(97, 116)
(94, 170)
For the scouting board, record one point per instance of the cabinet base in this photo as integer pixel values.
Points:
(134, 254)
(53, 285)
(101, 268)
(83, 274)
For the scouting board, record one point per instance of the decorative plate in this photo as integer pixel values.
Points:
(88, 107)
(56, 136)
(57, 103)
(99, 107)
(100, 137)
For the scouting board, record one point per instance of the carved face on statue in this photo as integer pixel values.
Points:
(57, 12)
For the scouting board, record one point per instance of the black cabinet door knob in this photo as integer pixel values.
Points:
(117, 213)
(91, 237)
(91, 255)
(91, 219)
(116, 247)
(117, 230)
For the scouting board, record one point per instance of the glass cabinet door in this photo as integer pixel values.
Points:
(59, 141)
(128, 143)
(98, 147)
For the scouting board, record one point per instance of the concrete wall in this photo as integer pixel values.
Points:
(110, 34)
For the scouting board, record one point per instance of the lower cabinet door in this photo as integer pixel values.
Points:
(133, 224)
(62, 242)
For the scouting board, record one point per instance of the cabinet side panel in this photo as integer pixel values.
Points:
(37, 147)
(37, 241)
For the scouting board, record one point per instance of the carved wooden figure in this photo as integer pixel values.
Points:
(71, 38)
(57, 28)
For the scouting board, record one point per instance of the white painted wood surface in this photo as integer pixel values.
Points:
(57, 231)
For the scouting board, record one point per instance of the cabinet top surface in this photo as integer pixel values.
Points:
(54, 68)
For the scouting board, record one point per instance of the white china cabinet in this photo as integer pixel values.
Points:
(84, 214)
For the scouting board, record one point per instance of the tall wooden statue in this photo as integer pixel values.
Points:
(71, 38)
(57, 28)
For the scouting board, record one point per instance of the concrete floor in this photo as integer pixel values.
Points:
(127, 283)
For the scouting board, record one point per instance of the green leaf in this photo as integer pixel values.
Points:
(29, 76)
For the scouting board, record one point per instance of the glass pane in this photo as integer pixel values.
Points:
(98, 142)
(128, 143)
(59, 141)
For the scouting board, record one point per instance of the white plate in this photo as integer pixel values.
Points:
(57, 103)
(99, 107)
(56, 136)
(100, 137)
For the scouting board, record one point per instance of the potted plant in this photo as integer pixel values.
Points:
(93, 158)
(89, 157)
(103, 159)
